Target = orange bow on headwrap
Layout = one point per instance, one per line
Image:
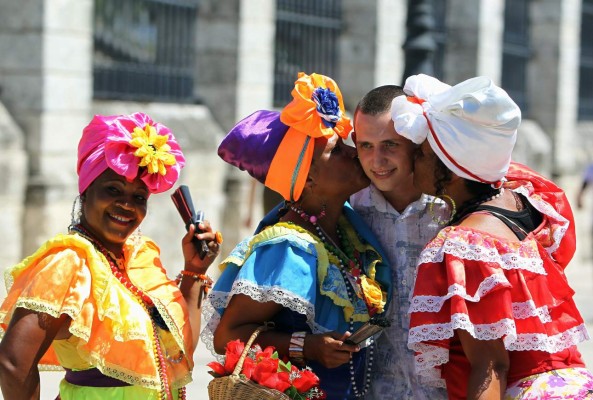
(317, 110)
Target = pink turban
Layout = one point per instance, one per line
(472, 126)
(132, 146)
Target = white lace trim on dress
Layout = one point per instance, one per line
(474, 252)
(429, 356)
(528, 309)
(435, 303)
(504, 328)
(217, 300)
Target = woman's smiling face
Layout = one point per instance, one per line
(112, 208)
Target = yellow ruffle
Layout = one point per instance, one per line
(66, 275)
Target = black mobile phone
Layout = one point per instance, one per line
(183, 202)
(370, 328)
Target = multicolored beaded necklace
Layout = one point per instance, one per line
(350, 268)
(146, 302)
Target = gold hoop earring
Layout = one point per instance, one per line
(436, 218)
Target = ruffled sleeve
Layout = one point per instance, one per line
(557, 234)
(491, 288)
(116, 335)
(286, 264)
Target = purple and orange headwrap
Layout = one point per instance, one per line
(132, 146)
(277, 148)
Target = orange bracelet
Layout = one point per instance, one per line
(204, 279)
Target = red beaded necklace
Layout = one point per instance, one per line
(113, 264)
(146, 302)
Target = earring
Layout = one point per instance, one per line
(436, 218)
(76, 211)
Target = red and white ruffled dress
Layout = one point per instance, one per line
(497, 288)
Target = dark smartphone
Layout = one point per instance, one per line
(370, 328)
(182, 199)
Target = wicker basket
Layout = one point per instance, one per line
(236, 387)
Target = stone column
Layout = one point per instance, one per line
(45, 75)
(13, 179)
(217, 53)
(358, 50)
(474, 45)
(391, 34)
(553, 76)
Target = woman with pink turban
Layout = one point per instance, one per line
(97, 301)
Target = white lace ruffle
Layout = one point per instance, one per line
(504, 328)
(217, 300)
(423, 333)
(435, 303)
(427, 360)
(466, 251)
(551, 344)
(528, 309)
(429, 356)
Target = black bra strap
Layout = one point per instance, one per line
(513, 226)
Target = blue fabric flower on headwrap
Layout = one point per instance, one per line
(328, 106)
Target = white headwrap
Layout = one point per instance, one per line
(472, 126)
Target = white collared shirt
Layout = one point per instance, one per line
(402, 237)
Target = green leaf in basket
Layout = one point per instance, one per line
(294, 394)
(284, 366)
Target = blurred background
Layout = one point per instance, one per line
(199, 66)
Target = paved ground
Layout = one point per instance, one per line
(580, 275)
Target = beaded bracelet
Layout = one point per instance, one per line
(295, 349)
(203, 279)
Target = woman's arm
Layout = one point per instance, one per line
(243, 315)
(26, 340)
(489, 367)
(192, 289)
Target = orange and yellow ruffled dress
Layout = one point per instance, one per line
(111, 329)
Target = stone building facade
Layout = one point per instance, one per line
(46, 98)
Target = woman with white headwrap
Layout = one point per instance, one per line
(492, 314)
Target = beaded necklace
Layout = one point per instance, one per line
(350, 267)
(145, 301)
(469, 207)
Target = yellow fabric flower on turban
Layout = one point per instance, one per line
(153, 150)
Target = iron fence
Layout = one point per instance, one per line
(144, 50)
(307, 34)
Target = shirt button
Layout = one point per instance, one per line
(404, 281)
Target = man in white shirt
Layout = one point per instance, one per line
(399, 216)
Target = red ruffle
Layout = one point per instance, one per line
(495, 288)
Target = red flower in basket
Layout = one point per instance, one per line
(306, 381)
(265, 368)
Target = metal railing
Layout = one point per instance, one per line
(307, 33)
(144, 50)
(516, 51)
